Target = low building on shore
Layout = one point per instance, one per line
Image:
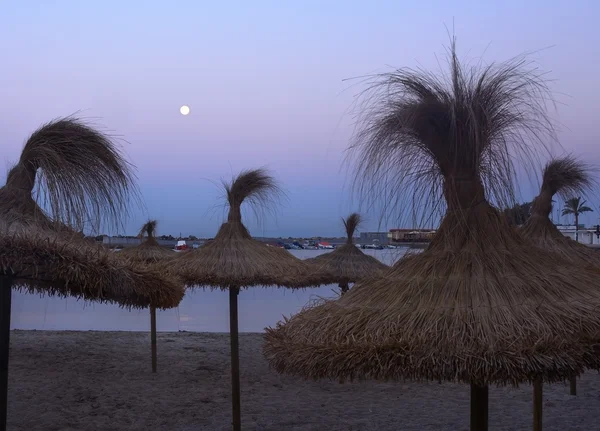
(584, 235)
(411, 235)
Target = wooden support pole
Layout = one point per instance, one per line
(5, 303)
(479, 408)
(235, 359)
(153, 336)
(537, 404)
(344, 287)
(573, 385)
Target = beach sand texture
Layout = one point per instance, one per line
(102, 381)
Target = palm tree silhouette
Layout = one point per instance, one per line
(576, 206)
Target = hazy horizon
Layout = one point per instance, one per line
(265, 84)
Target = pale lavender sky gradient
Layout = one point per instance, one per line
(264, 83)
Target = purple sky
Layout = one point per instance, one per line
(264, 83)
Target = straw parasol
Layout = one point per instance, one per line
(347, 262)
(149, 251)
(234, 260)
(564, 177)
(84, 178)
(480, 305)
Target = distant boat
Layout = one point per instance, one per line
(325, 245)
(372, 247)
(309, 245)
(180, 246)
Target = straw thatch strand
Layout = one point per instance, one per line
(481, 304)
(46, 262)
(81, 171)
(347, 262)
(564, 177)
(233, 258)
(149, 250)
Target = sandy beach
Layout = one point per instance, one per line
(102, 381)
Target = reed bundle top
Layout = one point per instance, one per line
(565, 177)
(83, 178)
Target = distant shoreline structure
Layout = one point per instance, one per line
(122, 241)
(418, 238)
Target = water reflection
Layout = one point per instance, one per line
(200, 310)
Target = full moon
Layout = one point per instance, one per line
(184, 110)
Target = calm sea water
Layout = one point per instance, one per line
(199, 311)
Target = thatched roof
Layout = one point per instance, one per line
(564, 177)
(46, 262)
(480, 305)
(347, 262)
(149, 250)
(233, 258)
(83, 177)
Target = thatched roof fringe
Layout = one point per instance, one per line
(57, 264)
